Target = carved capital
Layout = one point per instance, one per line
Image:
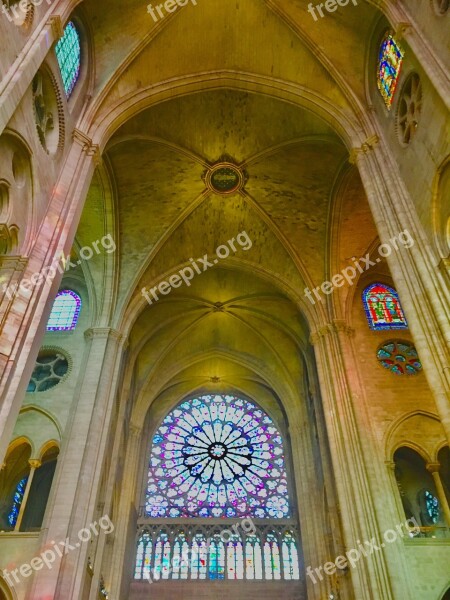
(102, 333)
(55, 22)
(34, 463)
(433, 467)
(401, 30)
(337, 326)
(89, 148)
(135, 431)
(365, 148)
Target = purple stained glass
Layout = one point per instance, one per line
(65, 311)
(217, 456)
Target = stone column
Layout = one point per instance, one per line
(423, 291)
(433, 468)
(315, 546)
(25, 313)
(370, 578)
(131, 470)
(34, 464)
(396, 491)
(73, 502)
(14, 87)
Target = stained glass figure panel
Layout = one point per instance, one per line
(390, 61)
(65, 311)
(383, 308)
(217, 456)
(68, 53)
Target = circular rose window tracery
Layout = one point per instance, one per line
(217, 456)
(400, 358)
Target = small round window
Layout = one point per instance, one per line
(50, 368)
(400, 358)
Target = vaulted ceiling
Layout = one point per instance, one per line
(263, 84)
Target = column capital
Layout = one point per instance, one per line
(55, 22)
(101, 333)
(433, 467)
(87, 145)
(135, 431)
(34, 463)
(402, 28)
(390, 464)
(365, 147)
(337, 326)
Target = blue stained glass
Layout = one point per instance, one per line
(65, 311)
(217, 456)
(68, 53)
(432, 504)
(17, 501)
(389, 65)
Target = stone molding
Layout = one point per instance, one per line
(365, 148)
(337, 326)
(88, 147)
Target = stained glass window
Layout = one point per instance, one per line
(272, 557)
(144, 557)
(383, 308)
(199, 557)
(389, 65)
(432, 505)
(253, 558)
(17, 501)
(400, 358)
(49, 371)
(217, 456)
(290, 557)
(68, 53)
(235, 558)
(212, 552)
(65, 311)
(216, 558)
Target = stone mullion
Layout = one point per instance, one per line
(23, 325)
(413, 273)
(312, 538)
(348, 464)
(75, 492)
(34, 464)
(434, 468)
(127, 497)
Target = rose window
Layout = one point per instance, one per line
(400, 358)
(217, 456)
